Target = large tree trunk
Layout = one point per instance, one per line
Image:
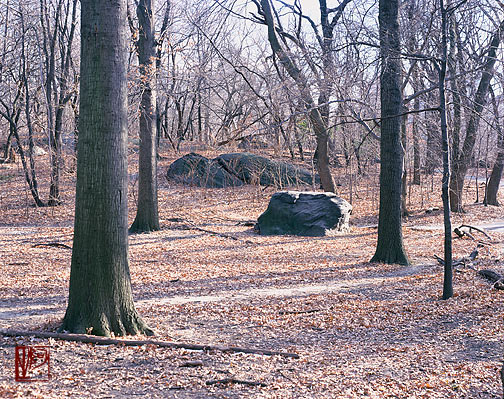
(460, 165)
(147, 218)
(389, 248)
(100, 300)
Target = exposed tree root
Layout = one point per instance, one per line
(114, 341)
(191, 226)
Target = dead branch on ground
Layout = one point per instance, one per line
(284, 312)
(466, 230)
(236, 381)
(493, 277)
(114, 341)
(188, 225)
(466, 261)
(52, 244)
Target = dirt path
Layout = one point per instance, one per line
(29, 312)
(496, 225)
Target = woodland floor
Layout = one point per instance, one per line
(361, 330)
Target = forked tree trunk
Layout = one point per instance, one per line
(100, 300)
(147, 217)
(460, 165)
(389, 248)
(314, 113)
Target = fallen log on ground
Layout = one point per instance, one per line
(466, 261)
(236, 381)
(191, 226)
(164, 344)
(493, 277)
(52, 244)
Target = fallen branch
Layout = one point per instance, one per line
(114, 341)
(284, 312)
(493, 277)
(191, 226)
(465, 261)
(235, 381)
(462, 231)
(52, 244)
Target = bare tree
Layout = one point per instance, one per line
(318, 113)
(58, 32)
(462, 160)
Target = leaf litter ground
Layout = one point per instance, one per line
(361, 330)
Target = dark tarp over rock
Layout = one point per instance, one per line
(236, 169)
(196, 170)
(304, 214)
(255, 169)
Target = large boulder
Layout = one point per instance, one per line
(236, 169)
(196, 170)
(255, 169)
(304, 214)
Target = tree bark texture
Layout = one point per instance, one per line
(460, 165)
(147, 217)
(389, 248)
(100, 300)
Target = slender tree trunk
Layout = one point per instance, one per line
(389, 248)
(448, 272)
(100, 300)
(63, 97)
(30, 173)
(404, 179)
(8, 152)
(416, 145)
(147, 217)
